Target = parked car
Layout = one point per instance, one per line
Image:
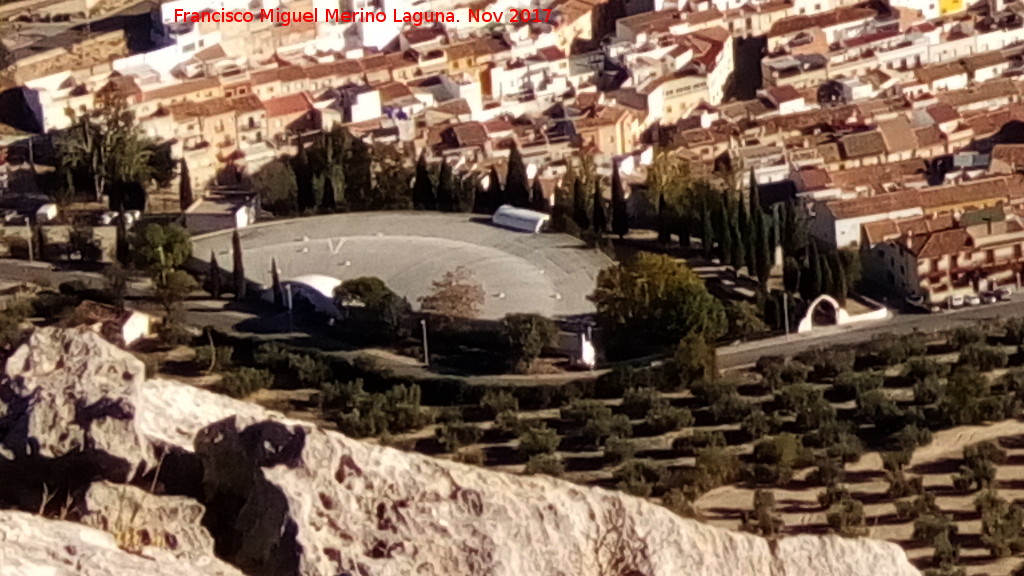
(989, 298)
(972, 300)
(955, 301)
(1003, 294)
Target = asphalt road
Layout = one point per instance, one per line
(748, 353)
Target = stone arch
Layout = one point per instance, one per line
(807, 322)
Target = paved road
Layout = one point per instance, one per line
(748, 353)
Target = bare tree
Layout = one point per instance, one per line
(455, 295)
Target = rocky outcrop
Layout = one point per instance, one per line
(172, 523)
(286, 497)
(30, 544)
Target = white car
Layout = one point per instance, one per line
(955, 301)
(973, 300)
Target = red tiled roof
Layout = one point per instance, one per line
(287, 105)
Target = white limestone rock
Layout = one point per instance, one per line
(32, 545)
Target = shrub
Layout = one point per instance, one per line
(891, 350)
(927, 390)
(618, 450)
(909, 438)
(920, 368)
(363, 415)
(833, 494)
(960, 400)
(508, 423)
(875, 407)
(979, 465)
(695, 359)
(715, 466)
(454, 435)
(698, 439)
(1002, 530)
(595, 422)
(730, 408)
(837, 440)
(548, 464)
(677, 501)
(526, 336)
(243, 381)
(849, 384)
(775, 459)
(638, 477)
(988, 500)
(829, 471)
(983, 357)
(929, 526)
(211, 358)
(709, 391)
(495, 402)
(808, 405)
(662, 418)
(636, 402)
(758, 424)
(964, 336)
(923, 504)
(538, 440)
(764, 520)
(770, 369)
(846, 517)
(1014, 331)
(828, 362)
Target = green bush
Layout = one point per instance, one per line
(538, 440)
(362, 414)
(715, 466)
(764, 520)
(758, 424)
(961, 400)
(808, 405)
(663, 417)
(509, 423)
(618, 450)
(495, 402)
(962, 337)
(927, 527)
(983, 357)
(833, 494)
(1002, 530)
(637, 402)
(547, 464)
(594, 422)
(454, 435)
(828, 362)
(923, 504)
(877, 408)
(698, 439)
(927, 390)
(846, 517)
(775, 459)
(730, 408)
(890, 350)
(213, 358)
(638, 477)
(243, 381)
(849, 384)
(920, 368)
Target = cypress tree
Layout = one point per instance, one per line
(579, 205)
(828, 285)
(814, 266)
(664, 222)
(275, 282)
(791, 275)
(239, 268)
(724, 232)
(423, 189)
(600, 219)
(495, 196)
(841, 282)
(329, 202)
(305, 197)
(745, 236)
(763, 260)
(446, 198)
(214, 276)
(739, 251)
(358, 174)
(537, 200)
(620, 214)
(185, 197)
(707, 233)
(517, 183)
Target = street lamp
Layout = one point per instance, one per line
(426, 349)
